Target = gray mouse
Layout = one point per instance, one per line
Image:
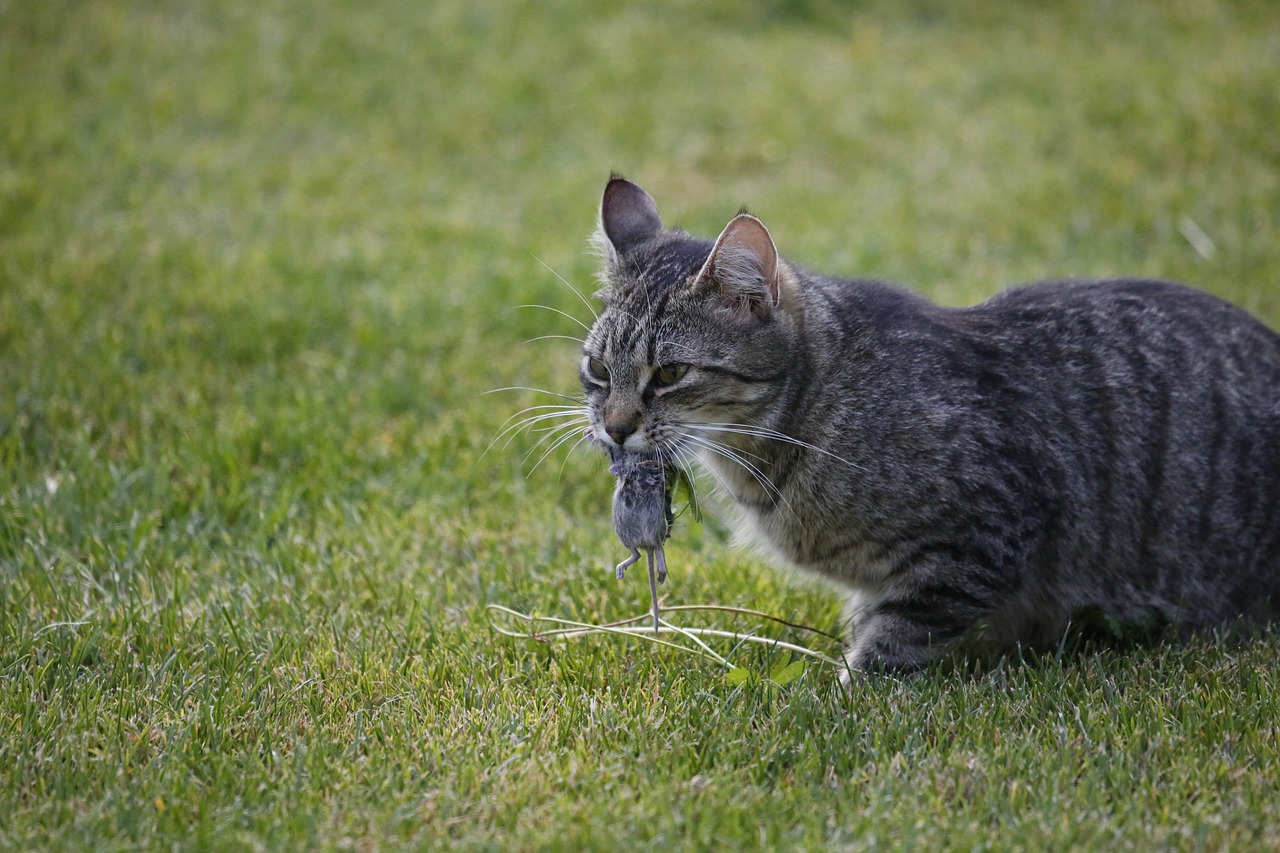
(641, 509)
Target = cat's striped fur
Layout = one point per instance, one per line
(973, 476)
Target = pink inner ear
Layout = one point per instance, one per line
(756, 236)
(745, 259)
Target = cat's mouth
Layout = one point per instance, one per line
(643, 441)
(633, 442)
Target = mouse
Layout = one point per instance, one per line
(641, 509)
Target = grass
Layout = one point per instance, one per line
(260, 261)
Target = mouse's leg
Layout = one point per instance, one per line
(653, 589)
(662, 565)
(628, 563)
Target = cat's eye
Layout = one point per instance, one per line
(669, 374)
(598, 369)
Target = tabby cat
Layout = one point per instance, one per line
(972, 477)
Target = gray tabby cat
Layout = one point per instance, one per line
(973, 476)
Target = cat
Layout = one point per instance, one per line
(972, 477)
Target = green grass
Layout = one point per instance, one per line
(260, 261)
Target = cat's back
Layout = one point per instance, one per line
(1125, 313)
(1136, 335)
(1158, 406)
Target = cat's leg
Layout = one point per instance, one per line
(890, 645)
(905, 628)
(628, 563)
(886, 643)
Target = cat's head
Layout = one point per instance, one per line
(695, 336)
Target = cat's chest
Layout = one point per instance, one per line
(796, 517)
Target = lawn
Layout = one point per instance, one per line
(260, 263)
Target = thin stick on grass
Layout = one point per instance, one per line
(746, 611)
(577, 629)
(725, 608)
(580, 629)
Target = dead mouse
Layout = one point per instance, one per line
(642, 514)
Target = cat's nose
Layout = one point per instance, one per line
(619, 431)
(621, 419)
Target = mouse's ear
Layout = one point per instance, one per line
(628, 214)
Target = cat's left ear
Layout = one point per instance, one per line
(628, 217)
(743, 266)
(628, 214)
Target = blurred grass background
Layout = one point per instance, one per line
(260, 261)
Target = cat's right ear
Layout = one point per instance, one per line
(628, 215)
(743, 267)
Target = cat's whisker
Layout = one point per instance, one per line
(773, 492)
(745, 453)
(555, 338)
(568, 434)
(584, 326)
(715, 475)
(560, 474)
(526, 418)
(673, 452)
(740, 451)
(510, 430)
(542, 430)
(669, 456)
(544, 407)
(683, 459)
(577, 400)
(532, 424)
(566, 283)
(766, 433)
(549, 433)
(546, 444)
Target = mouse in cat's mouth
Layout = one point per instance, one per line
(642, 513)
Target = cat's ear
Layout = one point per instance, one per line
(628, 215)
(743, 266)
